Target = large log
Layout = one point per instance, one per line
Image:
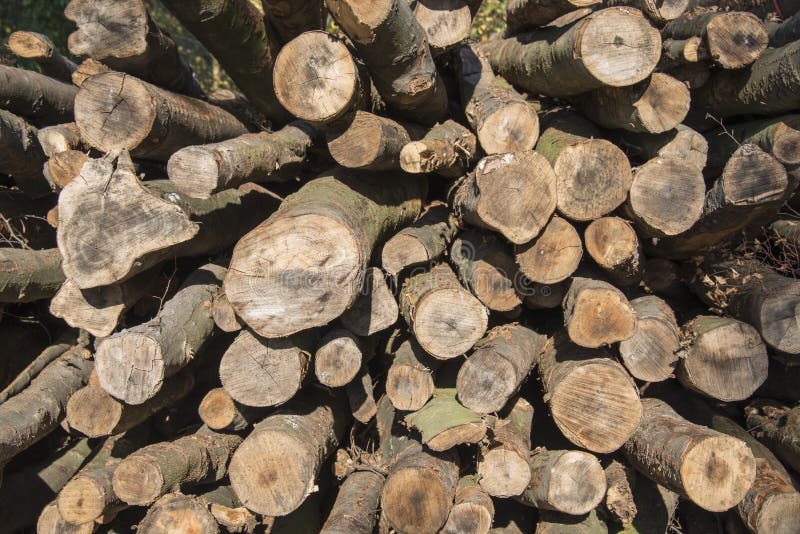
(375, 308)
(523, 15)
(597, 313)
(41, 99)
(650, 354)
(614, 246)
(615, 47)
(552, 256)
(333, 224)
(503, 463)
(448, 149)
(40, 49)
(422, 242)
(409, 379)
(472, 511)
(571, 482)
(287, 20)
(356, 507)
(21, 155)
(28, 275)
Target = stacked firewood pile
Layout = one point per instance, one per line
(403, 282)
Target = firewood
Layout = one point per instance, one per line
(614, 46)
(733, 39)
(29, 275)
(619, 499)
(318, 80)
(32, 370)
(367, 141)
(501, 118)
(560, 523)
(446, 23)
(597, 313)
(593, 400)
(36, 97)
(522, 15)
(776, 425)
(482, 198)
(356, 507)
(40, 49)
(498, 366)
(614, 246)
(361, 398)
(395, 49)
(409, 380)
(375, 308)
(680, 53)
(424, 241)
(21, 155)
(51, 522)
(444, 317)
(224, 314)
(180, 514)
(659, 12)
(553, 256)
(448, 149)
(287, 20)
(60, 169)
(571, 482)
(88, 67)
(133, 364)
(228, 511)
(274, 469)
(338, 358)
(220, 412)
(485, 265)
(153, 122)
(682, 143)
(36, 411)
(444, 423)
(650, 354)
(472, 511)
(785, 32)
(252, 361)
(711, 469)
(503, 463)
(343, 216)
(655, 105)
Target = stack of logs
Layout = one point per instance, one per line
(402, 281)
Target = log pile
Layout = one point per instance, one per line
(404, 281)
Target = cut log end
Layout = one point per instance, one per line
(179, 514)
(510, 128)
(51, 522)
(553, 256)
(195, 171)
(650, 354)
(82, 500)
(92, 412)
(614, 246)
(217, 409)
(401, 251)
(663, 105)
(717, 472)
(337, 359)
(131, 367)
(414, 500)
(599, 316)
(138, 480)
(504, 472)
(736, 39)
(29, 45)
(577, 483)
(780, 514)
(448, 322)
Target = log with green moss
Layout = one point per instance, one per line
(445, 423)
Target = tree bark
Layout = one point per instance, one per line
(681, 53)
(597, 313)
(444, 423)
(502, 119)
(784, 32)
(367, 141)
(36, 97)
(659, 11)
(228, 511)
(28, 275)
(571, 482)
(778, 427)
(424, 241)
(619, 499)
(356, 508)
(472, 511)
(220, 412)
(525, 15)
(334, 223)
(24, 378)
(409, 380)
(650, 354)
(287, 20)
(448, 149)
(361, 397)
(614, 246)
(21, 155)
(513, 194)
(503, 464)
(578, 58)
(552, 256)
(40, 49)
(559, 523)
(682, 143)
(375, 308)
(762, 8)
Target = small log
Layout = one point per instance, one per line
(446, 23)
(560, 523)
(41, 99)
(356, 508)
(553, 256)
(650, 354)
(778, 427)
(571, 482)
(368, 141)
(444, 317)
(35, 412)
(485, 266)
(614, 246)
(28, 275)
(503, 464)
(682, 53)
(338, 358)
(417, 474)
(361, 398)
(51, 522)
(287, 20)
(375, 308)
(220, 412)
(619, 499)
(472, 511)
(21, 155)
(482, 198)
(593, 400)
(409, 380)
(426, 240)
(523, 15)
(733, 40)
(252, 361)
(274, 469)
(395, 49)
(576, 58)
(502, 119)
(40, 49)
(200, 171)
(597, 313)
(660, 11)
(497, 367)
(178, 514)
(228, 511)
(655, 105)
(64, 167)
(88, 67)
(593, 176)
(318, 80)
(711, 469)
(448, 149)
(444, 423)
(343, 215)
(722, 358)
(224, 314)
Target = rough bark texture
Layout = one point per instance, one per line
(472, 511)
(682, 143)
(28, 275)
(36, 97)
(572, 482)
(356, 508)
(522, 15)
(503, 464)
(597, 313)
(409, 380)
(784, 32)
(552, 256)
(24, 378)
(448, 149)
(650, 354)
(21, 155)
(614, 246)
(422, 242)
(444, 423)
(333, 223)
(287, 20)
(375, 308)
(777, 426)
(360, 395)
(619, 499)
(40, 49)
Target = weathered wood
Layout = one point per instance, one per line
(64, 167)
(28, 275)
(409, 380)
(424, 241)
(682, 143)
(228, 511)
(619, 499)
(571, 482)
(614, 246)
(333, 224)
(552, 256)
(220, 412)
(88, 67)
(659, 11)
(51, 522)
(650, 354)
(778, 427)
(224, 314)
(444, 423)
(40, 49)
(367, 141)
(375, 308)
(21, 155)
(24, 378)
(338, 358)
(682, 53)
(356, 508)
(448, 149)
(180, 514)
(287, 20)
(779, 136)
(522, 15)
(360, 395)
(772, 504)
(472, 511)
(41, 99)
(503, 463)
(596, 313)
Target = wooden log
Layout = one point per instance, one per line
(734, 39)
(178, 513)
(220, 412)
(571, 482)
(660, 11)
(619, 499)
(40, 49)
(333, 223)
(395, 49)
(375, 308)
(485, 265)
(778, 136)
(444, 423)
(35, 412)
(615, 47)
(367, 141)
(596, 313)
(274, 469)
(680, 53)
(448, 149)
(503, 464)
(24, 378)
(36, 97)
(593, 400)
(123, 36)
(51, 522)
(21, 155)
(552, 256)
(422, 473)
(497, 367)
(424, 241)
(116, 111)
(133, 364)
(159, 223)
(761, 8)
(776, 425)
(772, 504)
(501, 118)
(722, 358)
(560, 523)
(711, 469)
(445, 318)
(228, 511)
(655, 105)
(682, 144)
(472, 511)
(409, 380)
(338, 358)
(287, 20)
(224, 314)
(28, 275)
(482, 197)
(252, 361)
(614, 246)
(523, 15)
(200, 171)
(783, 32)
(361, 397)
(64, 167)
(650, 354)
(88, 67)
(318, 80)
(356, 507)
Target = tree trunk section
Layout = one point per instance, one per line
(445, 423)
(28, 275)
(446, 23)
(552, 256)
(338, 358)
(40, 49)
(784, 32)
(367, 141)
(503, 464)
(224, 314)
(409, 380)
(36, 97)
(650, 354)
(375, 308)
(424, 241)
(21, 155)
(64, 167)
(361, 398)
(597, 313)
(472, 511)
(220, 412)
(356, 508)
(614, 246)
(571, 482)
(448, 149)
(179, 514)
